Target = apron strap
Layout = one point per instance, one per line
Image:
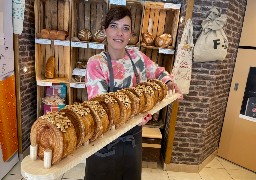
(111, 74)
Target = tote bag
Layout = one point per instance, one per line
(183, 62)
(212, 43)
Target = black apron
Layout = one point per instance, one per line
(121, 159)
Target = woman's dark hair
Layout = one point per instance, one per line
(115, 13)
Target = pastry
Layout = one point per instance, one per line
(124, 105)
(84, 35)
(163, 40)
(50, 68)
(56, 132)
(111, 106)
(135, 101)
(149, 96)
(164, 87)
(83, 121)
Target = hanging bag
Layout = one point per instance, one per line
(212, 43)
(183, 62)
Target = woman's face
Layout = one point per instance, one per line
(118, 33)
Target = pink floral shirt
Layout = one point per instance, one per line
(97, 72)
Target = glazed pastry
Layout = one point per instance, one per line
(56, 132)
(84, 35)
(163, 40)
(50, 68)
(99, 36)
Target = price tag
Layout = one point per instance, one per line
(79, 44)
(118, 2)
(96, 46)
(42, 83)
(42, 41)
(79, 72)
(172, 6)
(61, 43)
(166, 51)
(77, 85)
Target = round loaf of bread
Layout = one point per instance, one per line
(163, 40)
(85, 35)
(140, 94)
(99, 36)
(147, 38)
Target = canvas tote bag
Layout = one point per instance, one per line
(183, 62)
(212, 43)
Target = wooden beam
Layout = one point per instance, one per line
(189, 10)
(171, 132)
(17, 86)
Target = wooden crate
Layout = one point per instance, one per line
(86, 15)
(78, 95)
(165, 20)
(52, 15)
(41, 93)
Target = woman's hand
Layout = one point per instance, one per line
(145, 119)
(173, 86)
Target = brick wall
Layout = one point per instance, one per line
(201, 114)
(27, 79)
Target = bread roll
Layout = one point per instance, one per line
(50, 68)
(61, 35)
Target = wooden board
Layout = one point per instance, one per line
(34, 169)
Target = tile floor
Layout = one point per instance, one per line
(217, 169)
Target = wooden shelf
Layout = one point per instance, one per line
(35, 169)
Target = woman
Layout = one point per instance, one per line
(110, 71)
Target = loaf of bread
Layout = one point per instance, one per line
(134, 39)
(50, 68)
(85, 35)
(45, 34)
(61, 35)
(163, 40)
(99, 36)
(147, 38)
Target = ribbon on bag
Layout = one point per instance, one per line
(183, 62)
(212, 43)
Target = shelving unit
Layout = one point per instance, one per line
(74, 15)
